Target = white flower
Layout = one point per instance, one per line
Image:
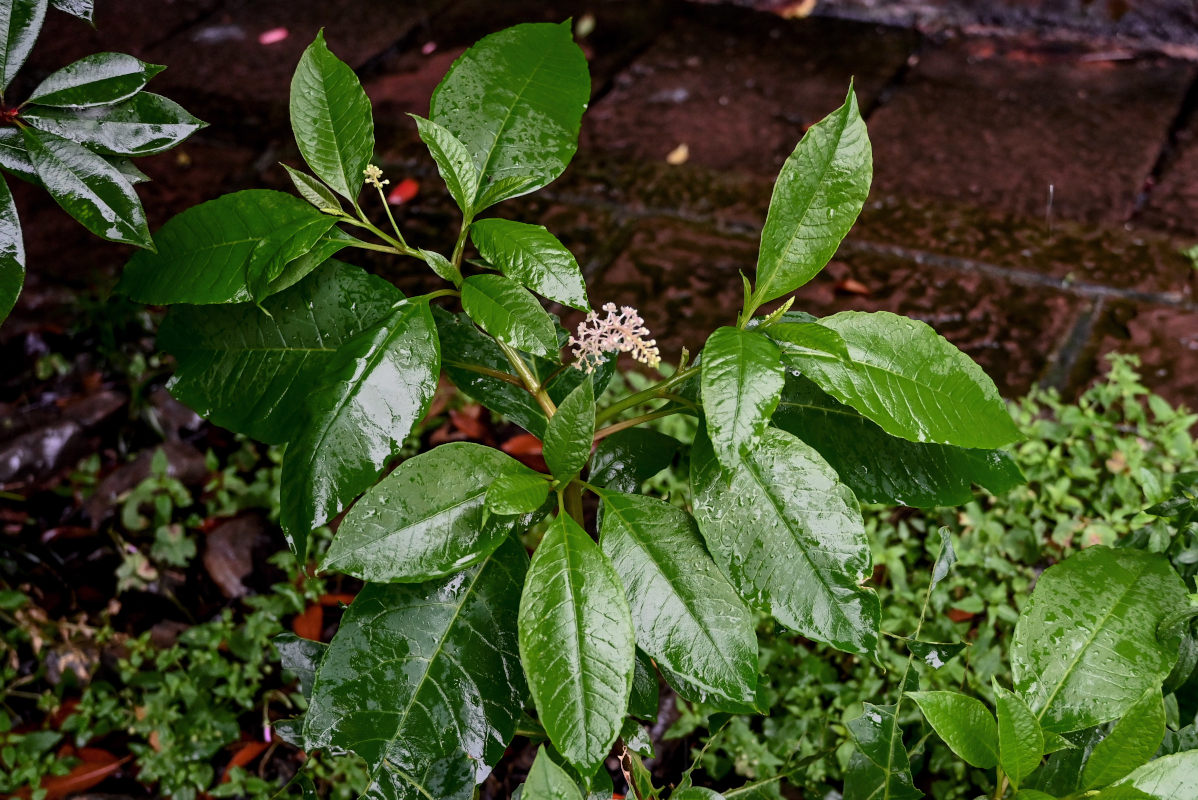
(621, 331)
(373, 174)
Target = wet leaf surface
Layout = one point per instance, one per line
(964, 723)
(533, 256)
(12, 253)
(507, 311)
(570, 432)
(741, 382)
(20, 22)
(95, 80)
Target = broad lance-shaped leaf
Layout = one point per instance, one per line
(577, 644)
(507, 311)
(570, 432)
(427, 519)
(96, 80)
(331, 119)
(12, 253)
(1132, 742)
(789, 536)
(820, 191)
(626, 459)
(453, 163)
(419, 674)
(1020, 740)
(887, 773)
(142, 125)
(910, 381)
(964, 723)
(373, 390)
(533, 256)
(1172, 777)
(1091, 617)
(881, 468)
(517, 492)
(320, 196)
(20, 22)
(548, 781)
(88, 188)
(215, 252)
(250, 369)
(515, 100)
(741, 379)
(687, 616)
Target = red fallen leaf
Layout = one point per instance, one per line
(404, 191)
(467, 420)
(95, 765)
(335, 599)
(852, 286)
(67, 532)
(246, 753)
(526, 448)
(310, 624)
(958, 615)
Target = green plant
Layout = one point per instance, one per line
(76, 135)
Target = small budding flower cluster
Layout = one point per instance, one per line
(621, 331)
(373, 174)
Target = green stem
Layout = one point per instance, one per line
(632, 423)
(654, 392)
(573, 501)
(391, 219)
(1001, 780)
(459, 246)
(530, 381)
(490, 373)
(380, 248)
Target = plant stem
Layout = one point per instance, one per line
(490, 373)
(654, 392)
(459, 246)
(573, 501)
(391, 219)
(1002, 780)
(530, 381)
(632, 423)
(380, 248)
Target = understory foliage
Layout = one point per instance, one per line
(458, 638)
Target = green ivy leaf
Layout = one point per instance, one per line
(742, 379)
(143, 125)
(533, 256)
(1020, 740)
(507, 311)
(911, 382)
(96, 80)
(20, 23)
(374, 389)
(964, 723)
(790, 537)
(427, 519)
(88, 188)
(1171, 777)
(83, 9)
(249, 369)
(1131, 743)
(395, 688)
(687, 616)
(570, 432)
(547, 781)
(880, 741)
(819, 193)
(331, 119)
(453, 163)
(518, 490)
(12, 253)
(577, 644)
(515, 100)
(1092, 616)
(218, 251)
(626, 459)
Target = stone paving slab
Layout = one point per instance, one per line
(1165, 339)
(1173, 203)
(739, 88)
(995, 123)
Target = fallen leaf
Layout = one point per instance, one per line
(246, 753)
(959, 615)
(852, 286)
(94, 766)
(404, 192)
(679, 155)
(526, 448)
(310, 624)
(468, 420)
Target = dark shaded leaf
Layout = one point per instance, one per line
(12, 253)
(20, 23)
(140, 126)
(626, 459)
(880, 741)
(96, 80)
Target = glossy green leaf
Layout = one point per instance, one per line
(790, 537)
(1132, 742)
(1173, 777)
(507, 311)
(626, 459)
(688, 618)
(12, 253)
(1032, 794)
(331, 119)
(911, 382)
(374, 389)
(216, 251)
(320, 196)
(881, 468)
(696, 793)
(964, 723)
(95, 80)
(20, 23)
(84, 9)
(547, 781)
(571, 430)
(742, 379)
(636, 737)
(515, 100)
(1123, 792)
(935, 654)
(441, 265)
(14, 158)
(421, 674)
(277, 259)
(819, 193)
(250, 369)
(126, 167)
(1055, 742)
(1020, 740)
(809, 340)
(453, 162)
(425, 520)
(88, 188)
(533, 256)
(140, 126)
(945, 559)
(301, 657)
(643, 702)
(880, 741)
(1092, 616)
(516, 491)
(448, 778)
(577, 644)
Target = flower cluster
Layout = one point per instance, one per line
(373, 173)
(621, 331)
